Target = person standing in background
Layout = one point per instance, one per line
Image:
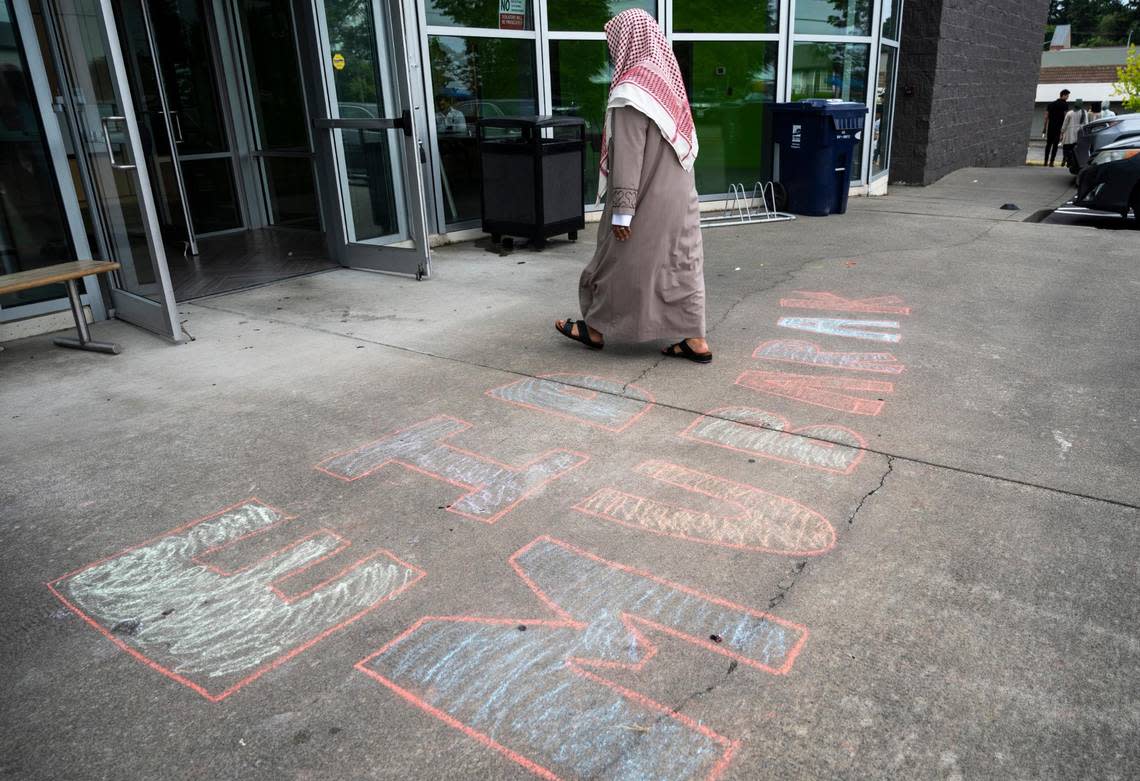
(1075, 119)
(1106, 110)
(1054, 119)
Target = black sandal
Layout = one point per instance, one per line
(687, 353)
(582, 336)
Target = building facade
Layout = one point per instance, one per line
(200, 141)
(967, 82)
(1088, 74)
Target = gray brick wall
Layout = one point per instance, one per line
(968, 74)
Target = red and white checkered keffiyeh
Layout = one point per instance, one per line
(647, 77)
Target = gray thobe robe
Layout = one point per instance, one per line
(651, 286)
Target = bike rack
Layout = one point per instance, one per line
(744, 208)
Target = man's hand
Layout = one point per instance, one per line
(622, 233)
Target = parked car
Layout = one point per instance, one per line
(1111, 181)
(1096, 135)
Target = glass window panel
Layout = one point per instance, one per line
(274, 74)
(68, 142)
(884, 112)
(357, 84)
(211, 193)
(580, 78)
(832, 71)
(729, 84)
(486, 14)
(184, 52)
(473, 79)
(726, 16)
(368, 154)
(292, 192)
(591, 15)
(892, 18)
(33, 232)
(371, 187)
(833, 17)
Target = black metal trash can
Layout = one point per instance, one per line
(533, 187)
(814, 148)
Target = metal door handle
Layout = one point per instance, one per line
(403, 122)
(104, 121)
(178, 139)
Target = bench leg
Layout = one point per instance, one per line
(84, 341)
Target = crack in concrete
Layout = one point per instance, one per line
(676, 709)
(787, 584)
(873, 491)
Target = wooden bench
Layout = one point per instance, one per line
(66, 273)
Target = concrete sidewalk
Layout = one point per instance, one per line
(921, 565)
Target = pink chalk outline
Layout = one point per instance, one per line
(887, 363)
(785, 431)
(814, 389)
(583, 393)
(470, 489)
(578, 665)
(742, 515)
(883, 305)
(277, 661)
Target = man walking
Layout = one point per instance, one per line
(1054, 118)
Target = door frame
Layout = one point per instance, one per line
(157, 315)
(407, 252)
(168, 119)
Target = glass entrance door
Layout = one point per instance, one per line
(109, 147)
(368, 144)
(161, 126)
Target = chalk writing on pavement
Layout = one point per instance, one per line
(834, 326)
(215, 630)
(810, 354)
(756, 520)
(491, 488)
(596, 401)
(826, 447)
(820, 390)
(881, 305)
(539, 691)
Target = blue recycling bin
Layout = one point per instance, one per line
(813, 150)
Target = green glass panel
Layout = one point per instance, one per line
(729, 84)
(884, 112)
(591, 15)
(475, 78)
(486, 14)
(833, 17)
(580, 82)
(726, 16)
(832, 71)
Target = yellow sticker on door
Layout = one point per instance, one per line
(338, 61)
